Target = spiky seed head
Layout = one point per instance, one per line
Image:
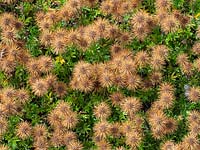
(7, 21)
(106, 7)
(51, 80)
(133, 139)
(102, 145)
(116, 48)
(22, 96)
(131, 105)
(39, 131)
(194, 94)
(54, 118)
(44, 25)
(3, 125)
(63, 108)
(126, 127)
(106, 79)
(115, 130)
(191, 142)
(69, 137)
(194, 117)
(58, 45)
(70, 121)
(8, 93)
(166, 99)
(102, 111)
(196, 48)
(163, 5)
(39, 16)
(116, 98)
(56, 139)
(170, 125)
(161, 15)
(133, 81)
(168, 145)
(46, 38)
(102, 129)
(24, 130)
(40, 143)
(156, 77)
(140, 18)
(4, 147)
(60, 89)
(33, 67)
(40, 87)
(75, 145)
(10, 107)
(170, 24)
(141, 58)
(166, 88)
(160, 50)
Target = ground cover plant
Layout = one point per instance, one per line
(99, 74)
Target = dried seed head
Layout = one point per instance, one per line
(194, 117)
(24, 130)
(102, 145)
(191, 142)
(40, 143)
(56, 139)
(75, 145)
(141, 58)
(131, 105)
(63, 108)
(33, 67)
(3, 125)
(133, 139)
(40, 87)
(7, 21)
(160, 50)
(117, 98)
(39, 131)
(133, 81)
(46, 64)
(4, 147)
(194, 94)
(102, 129)
(115, 130)
(156, 78)
(69, 137)
(166, 99)
(54, 118)
(170, 24)
(166, 88)
(102, 111)
(70, 121)
(168, 145)
(163, 5)
(10, 107)
(60, 89)
(196, 48)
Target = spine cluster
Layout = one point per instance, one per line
(11, 103)
(189, 141)
(183, 60)
(122, 71)
(161, 124)
(131, 129)
(62, 120)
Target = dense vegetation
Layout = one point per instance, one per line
(100, 74)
